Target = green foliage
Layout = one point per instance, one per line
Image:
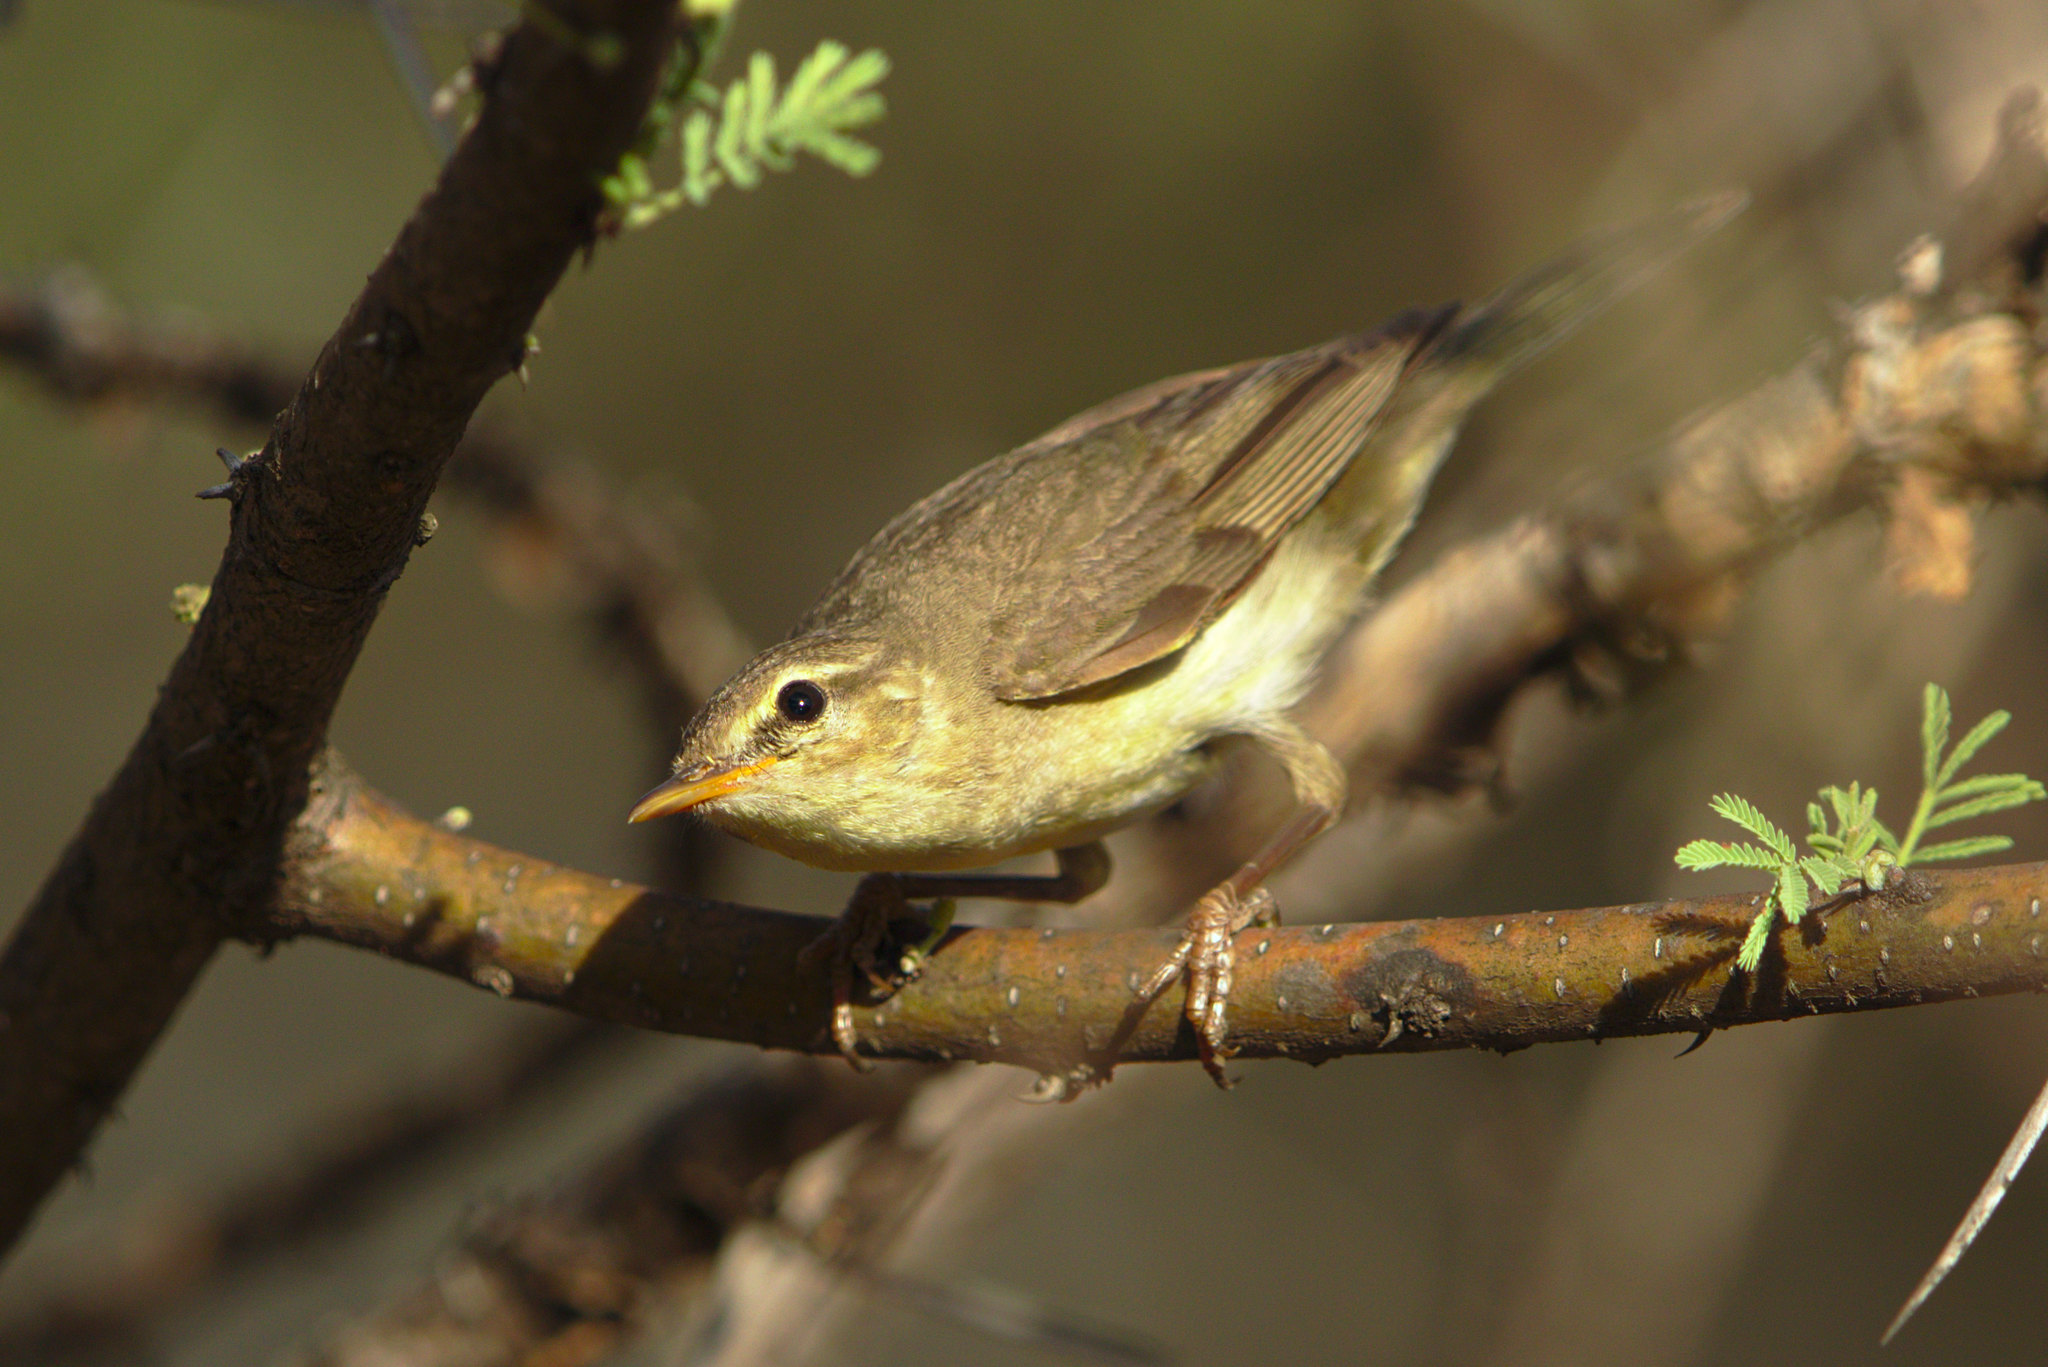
(1850, 845)
(732, 137)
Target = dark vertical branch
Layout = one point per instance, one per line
(185, 845)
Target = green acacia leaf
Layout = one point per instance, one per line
(735, 135)
(1973, 741)
(730, 145)
(1982, 783)
(1752, 952)
(760, 99)
(1793, 897)
(1742, 813)
(1963, 849)
(700, 177)
(850, 155)
(1985, 805)
(1826, 874)
(1711, 854)
(811, 72)
(843, 87)
(1934, 720)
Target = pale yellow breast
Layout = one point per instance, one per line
(1108, 759)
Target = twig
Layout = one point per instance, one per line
(1995, 1186)
(415, 73)
(66, 333)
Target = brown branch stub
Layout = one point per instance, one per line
(1060, 1000)
(185, 843)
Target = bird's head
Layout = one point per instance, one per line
(802, 750)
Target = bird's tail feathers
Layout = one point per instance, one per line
(1541, 308)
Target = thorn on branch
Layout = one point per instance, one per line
(238, 474)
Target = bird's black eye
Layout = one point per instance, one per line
(800, 700)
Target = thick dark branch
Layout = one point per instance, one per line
(373, 876)
(185, 844)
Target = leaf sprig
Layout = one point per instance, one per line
(1849, 844)
(753, 126)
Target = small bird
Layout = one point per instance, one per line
(1057, 643)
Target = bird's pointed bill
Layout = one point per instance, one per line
(692, 788)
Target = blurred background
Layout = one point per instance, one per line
(1075, 199)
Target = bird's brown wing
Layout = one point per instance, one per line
(1197, 479)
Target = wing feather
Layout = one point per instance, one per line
(1228, 462)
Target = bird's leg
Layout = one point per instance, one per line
(850, 943)
(1083, 869)
(879, 898)
(1206, 954)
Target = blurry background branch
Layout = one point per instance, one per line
(558, 527)
(176, 1251)
(1933, 399)
(571, 1276)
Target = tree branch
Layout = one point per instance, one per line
(185, 844)
(373, 876)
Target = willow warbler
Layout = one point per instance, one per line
(1056, 643)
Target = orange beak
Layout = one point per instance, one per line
(691, 788)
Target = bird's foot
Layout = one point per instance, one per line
(1206, 957)
(852, 945)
